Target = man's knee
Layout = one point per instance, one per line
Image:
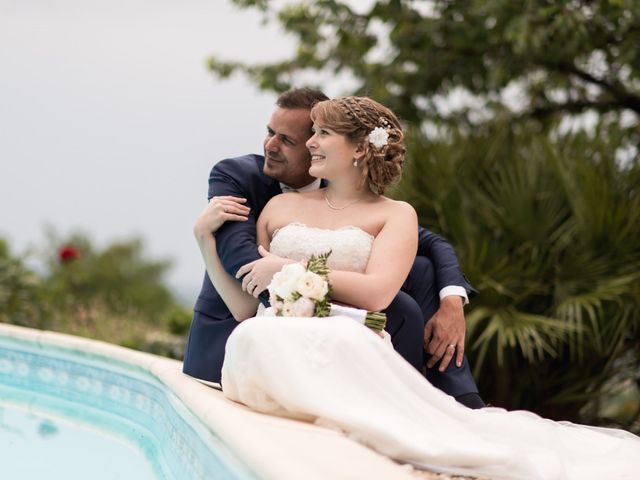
(406, 327)
(404, 314)
(421, 286)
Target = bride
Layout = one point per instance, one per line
(335, 371)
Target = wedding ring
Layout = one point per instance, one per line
(452, 345)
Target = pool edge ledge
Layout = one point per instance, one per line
(273, 447)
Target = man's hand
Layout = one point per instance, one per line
(444, 333)
(260, 272)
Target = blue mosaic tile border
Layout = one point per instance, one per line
(119, 398)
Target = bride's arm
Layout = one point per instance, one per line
(392, 256)
(262, 234)
(240, 304)
(257, 275)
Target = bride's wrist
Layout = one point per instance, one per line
(203, 234)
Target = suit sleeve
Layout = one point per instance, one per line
(236, 241)
(445, 262)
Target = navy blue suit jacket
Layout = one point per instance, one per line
(236, 244)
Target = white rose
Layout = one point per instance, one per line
(379, 137)
(303, 307)
(283, 283)
(312, 285)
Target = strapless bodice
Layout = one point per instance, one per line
(350, 246)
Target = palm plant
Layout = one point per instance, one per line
(546, 227)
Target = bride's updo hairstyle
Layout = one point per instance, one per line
(366, 121)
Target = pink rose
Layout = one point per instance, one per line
(303, 307)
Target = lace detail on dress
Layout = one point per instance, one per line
(350, 246)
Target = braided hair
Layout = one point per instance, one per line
(357, 118)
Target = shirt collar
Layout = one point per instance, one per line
(315, 185)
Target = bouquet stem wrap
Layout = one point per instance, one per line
(373, 320)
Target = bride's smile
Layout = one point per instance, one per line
(331, 153)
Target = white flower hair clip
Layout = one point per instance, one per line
(379, 137)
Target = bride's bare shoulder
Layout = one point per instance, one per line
(283, 197)
(398, 207)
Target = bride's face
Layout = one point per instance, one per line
(331, 153)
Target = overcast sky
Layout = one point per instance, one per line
(110, 121)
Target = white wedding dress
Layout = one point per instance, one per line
(337, 373)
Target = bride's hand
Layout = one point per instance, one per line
(220, 210)
(258, 274)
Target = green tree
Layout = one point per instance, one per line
(523, 126)
(535, 59)
(118, 279)
(20, 292)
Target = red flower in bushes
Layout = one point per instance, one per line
(68, 253)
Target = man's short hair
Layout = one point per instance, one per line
(300, 98)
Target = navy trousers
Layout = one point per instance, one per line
(407, 316)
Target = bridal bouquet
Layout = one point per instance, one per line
(299, 291)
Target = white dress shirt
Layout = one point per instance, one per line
(315, 185)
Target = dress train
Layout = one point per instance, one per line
(339, 374)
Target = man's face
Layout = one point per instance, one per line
(287, 158)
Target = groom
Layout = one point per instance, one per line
(431, 295)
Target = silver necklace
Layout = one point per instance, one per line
(333, 207)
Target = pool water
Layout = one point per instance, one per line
(36, 444)
(72, 414)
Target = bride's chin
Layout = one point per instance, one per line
(315, 171)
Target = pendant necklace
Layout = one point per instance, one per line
(333, 207)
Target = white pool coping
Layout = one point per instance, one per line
(274, 447)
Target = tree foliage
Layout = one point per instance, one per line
(20, 292)
(119, 277)
(535, 59)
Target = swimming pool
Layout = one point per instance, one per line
(71, 412)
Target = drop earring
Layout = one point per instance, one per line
(355, 162)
